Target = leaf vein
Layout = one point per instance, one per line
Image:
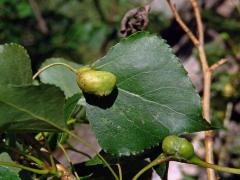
(144, 99)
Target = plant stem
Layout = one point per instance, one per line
(64, 152)
(119, 171)
(160, 159)
(68, 159)
(53, 165)
(38, 162)
(51, 65)
(89, 146)
(70, 147)
(37, 171)
(197, 161)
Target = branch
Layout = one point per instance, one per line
(41, 22)
(209, 154)
(217, 65)
(207, 73)
(200, 35)
(71, 148)
(203, 59)
(207, 89)
(198, 21)
(65, 172)
(182, 24)
(99, 10)
(198, 43)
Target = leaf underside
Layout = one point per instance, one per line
(61, 76)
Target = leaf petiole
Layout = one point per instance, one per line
(119, 171)
(91, 148)
(38, 162)
(51, 65)
(37, 171)
(159, 160)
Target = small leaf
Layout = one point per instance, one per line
(31, 108)
(162, 170)
(8, 174)
(94, 161)
(15, 65)
(155, 97)
(6, 158)
(61, 76)
(70, 105)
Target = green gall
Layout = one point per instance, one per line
(177, 147)
(99, 83)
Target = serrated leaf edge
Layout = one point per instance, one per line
(173, 57)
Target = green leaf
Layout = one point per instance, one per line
(31, 108)
(155, 97)
(162, 170)
(6, 158)
(23, 9)
(8, 174)
(70, 105)
(61, 76)
(15, 65)
(94, 161)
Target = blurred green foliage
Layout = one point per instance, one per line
(228, 28)
(80, 30)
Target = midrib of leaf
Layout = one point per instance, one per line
(160, 88)
(150, 101)
(31, 114)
